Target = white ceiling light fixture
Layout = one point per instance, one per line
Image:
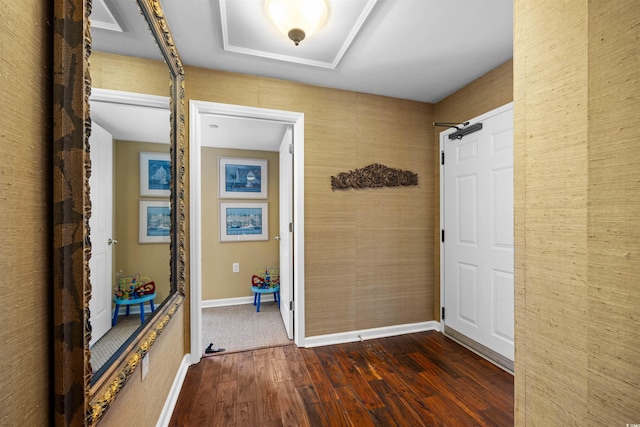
(297, 18)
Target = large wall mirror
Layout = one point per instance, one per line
(110, 226)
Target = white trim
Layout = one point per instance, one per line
(195, 220)
(442, 139)
(298, 232)
(196, 110)
(296, 59)
(129, 98)
(224, 302)
(368, 334)
(174, 393)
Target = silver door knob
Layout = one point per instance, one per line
(112, 242)
(277, 237)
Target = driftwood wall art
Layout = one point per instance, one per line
(374, 175)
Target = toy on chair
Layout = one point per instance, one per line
(133, 290)
(265, 282)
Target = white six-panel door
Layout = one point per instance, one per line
(478, 233)
(101, 224)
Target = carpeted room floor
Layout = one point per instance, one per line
(240, 327)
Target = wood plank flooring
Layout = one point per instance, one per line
(421, 379)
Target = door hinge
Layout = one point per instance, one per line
(442, 235)
(290, 227)
(442, 313)
(442, 158)
(291, 305)
(290, 148)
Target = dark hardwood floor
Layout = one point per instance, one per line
(421, 379)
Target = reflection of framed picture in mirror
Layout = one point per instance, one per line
(155, 174)
(155, 221)
(242, 222)
(242, 178)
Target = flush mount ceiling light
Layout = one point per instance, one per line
(297, 18)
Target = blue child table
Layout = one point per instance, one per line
(257, 292)
(129, 302)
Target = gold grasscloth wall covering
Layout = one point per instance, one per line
(25, 209)
(577, 157)
(368, 253)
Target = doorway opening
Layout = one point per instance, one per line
(291, 293)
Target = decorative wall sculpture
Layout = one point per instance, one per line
(374, 175)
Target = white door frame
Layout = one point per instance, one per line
(443, 139)
(196, 110)
(286, 217)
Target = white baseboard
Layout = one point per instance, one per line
(222, 302)
(368, 334)
(172, 398)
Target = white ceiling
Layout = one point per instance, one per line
(243, 32)
(123, 121)
(420, 50)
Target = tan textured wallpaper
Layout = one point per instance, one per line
(613, 239)
(368, 253)
(577, 202)
(25, 209)
(218, 279)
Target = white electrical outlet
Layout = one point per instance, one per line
(236, 267)
(145, 365)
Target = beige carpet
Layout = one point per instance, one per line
(110, 342)
(240, 327)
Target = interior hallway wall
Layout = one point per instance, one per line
(368, 253)
(218, 279)
(577, 175)
(25, 208)
(132, 257)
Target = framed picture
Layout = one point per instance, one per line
(242, 178)
(155, 221)
(241, 222)
(155, 174)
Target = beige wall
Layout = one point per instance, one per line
(577, 164)
(131, 257)
(368, 253)
(25, 209)
(488, 92)
(218, 279)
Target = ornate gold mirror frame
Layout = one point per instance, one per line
(76, 400)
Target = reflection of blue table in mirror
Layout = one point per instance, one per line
(130, 302)
(257, 292)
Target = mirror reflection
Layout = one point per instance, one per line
(130, 178)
